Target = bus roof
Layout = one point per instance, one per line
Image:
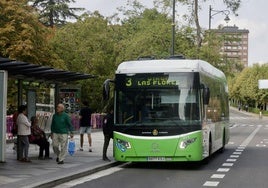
(168, 65)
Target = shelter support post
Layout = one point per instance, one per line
(3, 107)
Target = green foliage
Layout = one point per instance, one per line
(88, 46)
(96, 45)
(244, 87)
(55, 12)
(20, 34)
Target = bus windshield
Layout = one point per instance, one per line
(166, 99)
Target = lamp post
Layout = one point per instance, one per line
(225, 12)
(173, 30)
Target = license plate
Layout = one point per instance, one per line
(156, 159)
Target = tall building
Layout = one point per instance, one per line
(235, 45)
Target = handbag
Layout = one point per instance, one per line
(31, 138)
(71, 147)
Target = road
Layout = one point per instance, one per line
(244, 163)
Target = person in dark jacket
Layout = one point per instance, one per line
(38, 137)
(108, 127)
(85, 125)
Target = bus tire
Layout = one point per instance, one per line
(223, 142)
(206, 160)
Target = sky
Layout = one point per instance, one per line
(252, 16)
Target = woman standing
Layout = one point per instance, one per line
(24, 130)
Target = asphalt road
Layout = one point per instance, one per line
(244, 163)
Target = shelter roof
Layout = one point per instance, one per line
(33, 72)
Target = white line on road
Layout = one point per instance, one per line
(227, 164)
(219, 176)
(223, 169)
(234, 156)
(237, 153)
(91, 177)
(251, 136)
(211, 183)
(231, 160)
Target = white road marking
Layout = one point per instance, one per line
(234, 156)
(251, 136)
(237, 153)
(90, 177)
(219, 176)
(260, 145)
(223, 169)
(227, 164)
(211, 183)
(231, 160)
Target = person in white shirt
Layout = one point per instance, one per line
(24, 130)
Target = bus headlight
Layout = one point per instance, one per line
(122, 145)
(185, 143)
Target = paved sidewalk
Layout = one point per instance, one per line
(47, 173)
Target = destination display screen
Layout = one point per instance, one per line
(155, 80)
(161, 81)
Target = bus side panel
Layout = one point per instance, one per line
(220, 135)
(187, 147)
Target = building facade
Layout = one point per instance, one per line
(235, 43)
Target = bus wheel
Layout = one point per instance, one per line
(206, 160)
(223, 143)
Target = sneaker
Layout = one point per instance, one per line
(60, 162)
(90, 150)
(47, 158)
(81, 149)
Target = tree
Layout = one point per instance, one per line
(55, 12)
(194, 7)
(147, 32)
(88, 46)
(244, 87)
(22, 37)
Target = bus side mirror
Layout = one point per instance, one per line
(106, 89)
(206, 95)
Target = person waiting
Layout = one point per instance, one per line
(38, 137)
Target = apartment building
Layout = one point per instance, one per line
(235, 43)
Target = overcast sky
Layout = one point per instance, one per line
(252, 16)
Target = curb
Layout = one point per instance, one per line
(73, 176)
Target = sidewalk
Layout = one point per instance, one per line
(47, 173)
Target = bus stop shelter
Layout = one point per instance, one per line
(23, 71)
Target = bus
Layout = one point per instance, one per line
(170, 110)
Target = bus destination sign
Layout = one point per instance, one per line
(150, 82)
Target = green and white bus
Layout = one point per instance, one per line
(169, 110)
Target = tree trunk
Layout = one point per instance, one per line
(198, 28)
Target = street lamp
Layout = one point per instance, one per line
(226, 12)
(173, 30)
